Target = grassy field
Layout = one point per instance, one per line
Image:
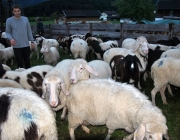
(171, 111)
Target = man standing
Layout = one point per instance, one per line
(39, 26)
(18, 31)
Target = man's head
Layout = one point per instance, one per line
(16, 10)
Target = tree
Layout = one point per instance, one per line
(135, 9)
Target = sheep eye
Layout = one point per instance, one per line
(59, 86)
(150, 136)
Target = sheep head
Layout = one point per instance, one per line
(52, 87)
(80, 70)
(141, 44)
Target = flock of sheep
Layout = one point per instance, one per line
(105, 91)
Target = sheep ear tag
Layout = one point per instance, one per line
(91, 70)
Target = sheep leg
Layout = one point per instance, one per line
(163, 95)
(85, 129)
(129, 137)
(71, 133)
(169, 89)
(153, 94)
(37, 55)
(110, 131)
(139, 85)
(64, 113)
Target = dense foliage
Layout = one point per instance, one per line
(135, 9)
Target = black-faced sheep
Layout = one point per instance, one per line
(174, 41)
(125, 69)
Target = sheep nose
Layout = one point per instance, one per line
(72, 80)
(53, 104)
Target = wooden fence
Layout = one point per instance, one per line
(115, 31)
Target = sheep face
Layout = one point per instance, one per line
(144, 131)
(44, 49)
(80, 71)
(142, 44)
(144, 50)
(52, 87)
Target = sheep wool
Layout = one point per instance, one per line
(164, 71)
(79, 48)
(24, 115)
(116, 105)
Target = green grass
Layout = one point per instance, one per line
(171, 111)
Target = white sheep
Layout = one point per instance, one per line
(51, 43)
(2, 46)
(116, 105)
(30, 78)
(28, 113)
(34, 49)
(55, 83)
(82, 70)
(20, 69)
(102, 68)
(164, 71)
(51, 54)
(6, 67)
(79, 48)
(6, 54)
(9, 83)
(140, 44)
(3, 35)
(171, 53)
(160, 47)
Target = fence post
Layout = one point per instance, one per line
(90, 28)
(171, 30)
(67, 29)
(122, 32)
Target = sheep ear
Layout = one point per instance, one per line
(44, 91)
(166, 136)
(64, 89)
(139, 134)
(137, 44)
(91, 70)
